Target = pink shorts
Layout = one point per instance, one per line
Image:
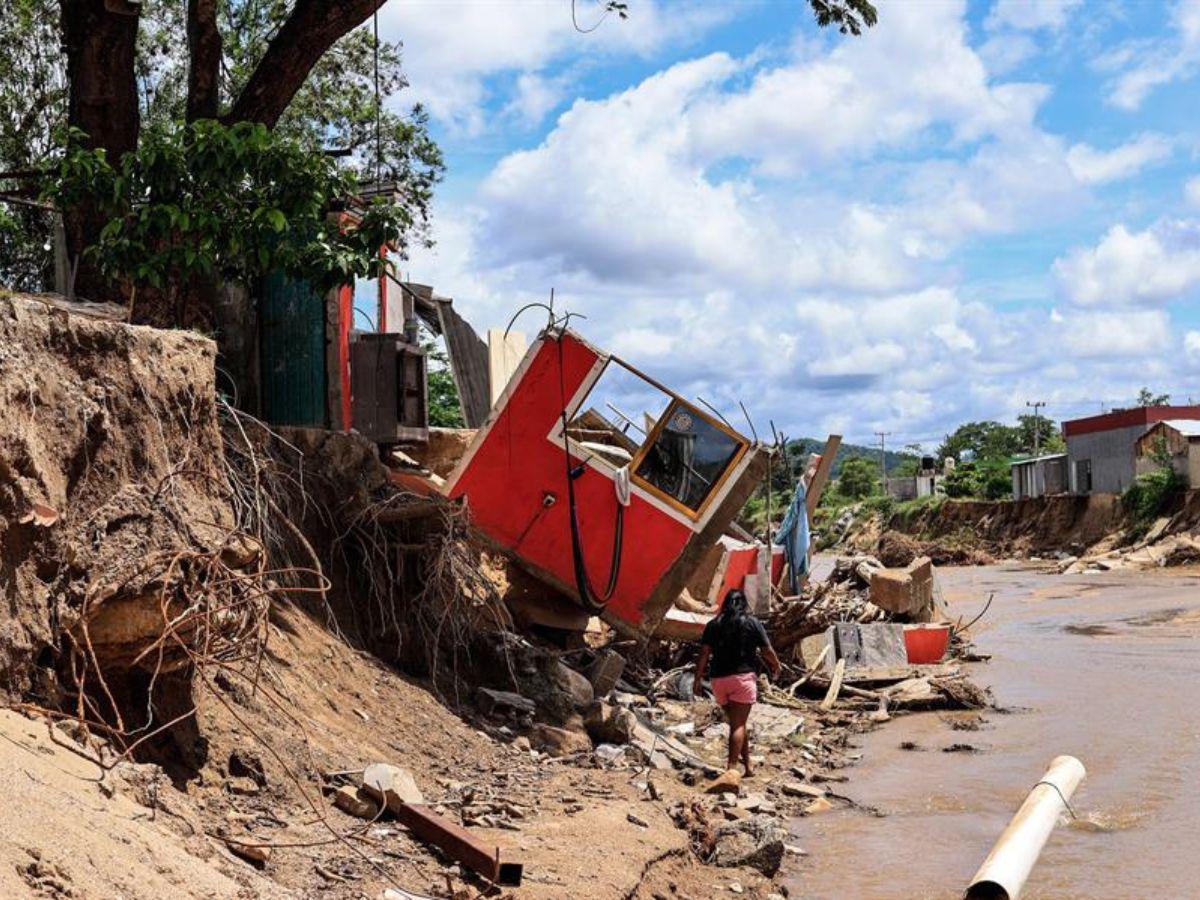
(736, 688)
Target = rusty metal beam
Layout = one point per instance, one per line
(459, 843)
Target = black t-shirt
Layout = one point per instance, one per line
(734, 644)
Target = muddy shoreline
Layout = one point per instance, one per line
(1098, 666)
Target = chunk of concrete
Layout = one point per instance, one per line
(559, 741)
(817, 651)
(391, 785)
(606, 671)
(881, 645)
(907, 591)
(575, 685)
(756, 842)
(608, 724)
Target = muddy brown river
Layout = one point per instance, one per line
(1102, 667)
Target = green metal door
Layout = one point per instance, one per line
(293, 352)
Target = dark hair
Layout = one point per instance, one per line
(735, 607)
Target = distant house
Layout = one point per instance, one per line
(1040, 476)
(1100, 449)
(909, 487)
(1178, 440)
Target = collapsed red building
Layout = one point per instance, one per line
(642, 497)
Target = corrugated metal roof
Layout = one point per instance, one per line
(1033, 459)
(1186, 427)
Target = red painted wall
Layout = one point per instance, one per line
(1142, 415)
(742, 561)
(515, 465)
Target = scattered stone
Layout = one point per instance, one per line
(637, 820)
(728, 782)
(493, 702)
(756, 803)
(606, 671)
(356, 802)
(244, 787)
(559, 741)
(391, 785)
(610, 754)
(960, 748)
(522, 744)
(257, 856)
(756, 842)
(910, 745)
(244, 764)
(608, 724)
(575, 685)
(796, 789)
(819, 805)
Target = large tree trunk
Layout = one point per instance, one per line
(204, 47)
(100, 39)
(312, 28)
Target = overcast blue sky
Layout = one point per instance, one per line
(973, 205)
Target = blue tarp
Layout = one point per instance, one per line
(794, 537)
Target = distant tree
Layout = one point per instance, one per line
(858, 478)
(1146, 398)
(445, 409)
(986, 440)
(1048, 438)
(985, 479)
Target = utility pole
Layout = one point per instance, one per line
(1037, 423)
(882, 435)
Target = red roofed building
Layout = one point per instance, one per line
(1100, 449)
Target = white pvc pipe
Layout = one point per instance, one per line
(1003, 873)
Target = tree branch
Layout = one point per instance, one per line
(312, 28)
(204, 50)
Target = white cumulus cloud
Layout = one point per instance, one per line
(1031, 15)
(1159, 62)
(1092, 166)
(1159, 264)
(1096, 335)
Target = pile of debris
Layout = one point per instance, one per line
(859, 589)
(1166, 543)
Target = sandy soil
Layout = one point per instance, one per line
(75, 830)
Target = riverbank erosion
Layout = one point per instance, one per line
(218, 633)
(1072, 658)
(1092, 532)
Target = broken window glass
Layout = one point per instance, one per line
(687, 456)
(617, 414)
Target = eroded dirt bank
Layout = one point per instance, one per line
(205, 632)
(1100, 666)
(1094, 531)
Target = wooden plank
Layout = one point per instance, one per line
(468, 364)
(821, 476)
(505, 353)
(835, 685)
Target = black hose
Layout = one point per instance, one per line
(583, 585)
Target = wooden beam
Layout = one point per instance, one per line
(821, 476)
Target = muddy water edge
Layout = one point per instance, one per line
(1102, 667)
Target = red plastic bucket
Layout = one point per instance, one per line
(926, 644)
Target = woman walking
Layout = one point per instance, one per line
(735, 642)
